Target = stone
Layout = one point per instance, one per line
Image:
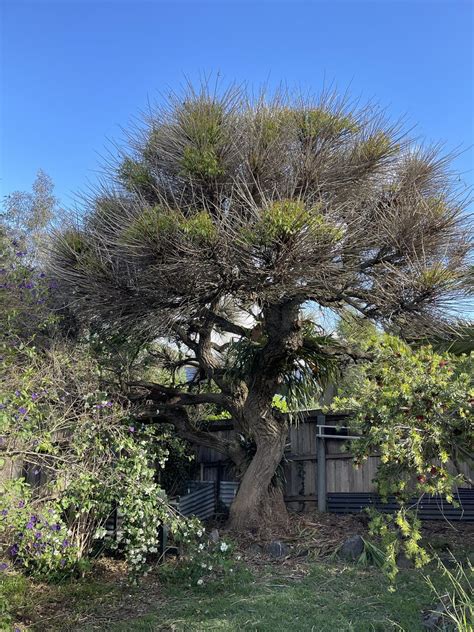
(214, 536)
(277, 549)
(404, 562)
(255, 549)
(434, 619)
(352, 548)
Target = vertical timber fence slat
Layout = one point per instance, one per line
(321, 463)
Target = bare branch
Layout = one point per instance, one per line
(168, 396)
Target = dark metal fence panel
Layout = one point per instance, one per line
(201, 497)
(427, 507)
(200, 502)
(227, 492)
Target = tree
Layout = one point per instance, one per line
(27, 216)
(224, 217)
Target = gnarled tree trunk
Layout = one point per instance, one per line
(259, 502)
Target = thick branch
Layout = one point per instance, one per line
(228, 326)
(197, 436)
(169, 396)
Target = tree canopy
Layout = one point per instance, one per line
(227, 214)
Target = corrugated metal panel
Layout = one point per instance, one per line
(227, 492)
(200, 502)
(192, 486)
(427, 508)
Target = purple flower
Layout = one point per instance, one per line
(31, 522)
(65, 543)
(20, 253)
(21, 504)
(17, 393)
(14, 550)
(55, 527)
(2, 406)
(4, 512)
(131, 429)
(3, 566)
(38, 535)
(22, 410)
(109, 404)
(34, 396)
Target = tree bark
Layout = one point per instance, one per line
(259, 503)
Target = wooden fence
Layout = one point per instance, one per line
(318, 465)
(302, 474)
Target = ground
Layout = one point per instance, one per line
(308, 591)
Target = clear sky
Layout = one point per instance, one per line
(74, 72)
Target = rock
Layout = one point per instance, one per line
(214, 536)
(255, 549)
(277, 549)
(434, 619)
(404, 562)
(352, 548)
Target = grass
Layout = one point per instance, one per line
(315, 596)
(331, 597)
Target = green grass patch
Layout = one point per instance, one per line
(332, 597)
(315, 596)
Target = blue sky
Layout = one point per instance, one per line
(73, 72)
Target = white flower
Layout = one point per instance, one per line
(203, 565)
(210, 567)
(199, 533)
(200, 582)
(224, 547)
(239, 557)
(201, 546)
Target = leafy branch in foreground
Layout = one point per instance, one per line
(84, 447)
(413, 407)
